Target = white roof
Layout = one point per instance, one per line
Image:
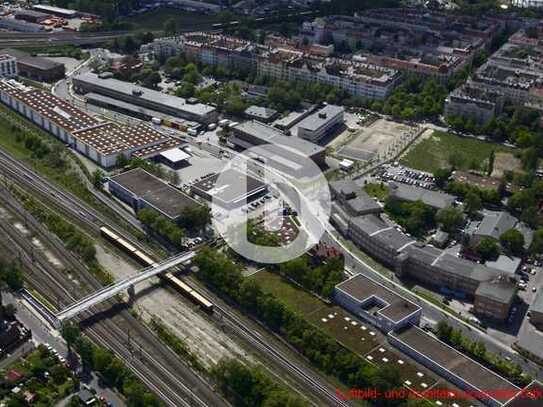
(346, 163)
(175, 155)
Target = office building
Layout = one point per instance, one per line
(321, 123)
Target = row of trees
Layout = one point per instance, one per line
(111, 368)
(251, 386)
(477, 350)
(318, 278)
(224, 276)
(161, 226)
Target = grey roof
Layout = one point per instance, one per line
(494, 224)
(422, 253)
(368, 224)
(465, 268)
(393, 239)
(262, 112)
(440, 237)
(363, 203)
(499, 289)
(345, 187)
(151, 95)
(537, 304)
(270, 135)
(506, 264)
(27, 59)
(321, 117)
(410, 193)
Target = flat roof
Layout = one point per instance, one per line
(111, 138)
(362, 288)
(234, 186)
(262, 112)
(321, 117)
(154, 96)
(29, 60)
(507, 264)
(270, 135)
(53, 108)
(154, 191)
(175, 155)
(537, 303)
(468, 370)
(530, 396)
(412, 193)
(499, 289)
(53, 9)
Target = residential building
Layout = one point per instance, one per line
(8, 66)
(473, 103)
(496, 223)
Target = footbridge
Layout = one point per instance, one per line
(125, 284)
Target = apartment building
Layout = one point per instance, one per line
(8, 66)
(474, 103)
(493, 299)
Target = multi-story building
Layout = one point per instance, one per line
(411, 40)
(37, 68)
(493, 299)
(474, 103)
(8, 66)
(282, 61)
(321, 123)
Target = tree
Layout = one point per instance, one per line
(473, 203)
(185, 90)
(513, 242)
(441, 176)
(450, 219)
(170, 26)
(537, 242)
(98, 178)
(487, 248)
(195, 217)
(70, 332)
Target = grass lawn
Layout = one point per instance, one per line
(379, 191)
(295, 298)
(435, 151)
(154, 20)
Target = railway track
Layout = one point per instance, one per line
(66, 202)
(150, 360)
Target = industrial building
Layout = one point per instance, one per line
(236, 189)
(139, 189)
(31, 16)
(455, 367)
(321, 123)
(12, 24)
(56, 11)
(102, 142)
(36, 68)
(147, 98)
(373, 302)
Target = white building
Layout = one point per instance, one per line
(8, 66)
(320, 123)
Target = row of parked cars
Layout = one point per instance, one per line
(255, 204)
(409, 176)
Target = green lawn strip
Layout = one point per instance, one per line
(434, 152)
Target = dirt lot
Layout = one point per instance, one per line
(505, 162)
(375, 139)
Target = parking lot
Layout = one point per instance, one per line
(399, 173)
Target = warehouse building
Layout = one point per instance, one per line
(20, 25)
(321, 123)
(139, 189)
(56, 11)
(31, 16)
(102, 142)
(470, 376)
(236, 189)
(147, 98)
(36, 68)
(373, 302)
